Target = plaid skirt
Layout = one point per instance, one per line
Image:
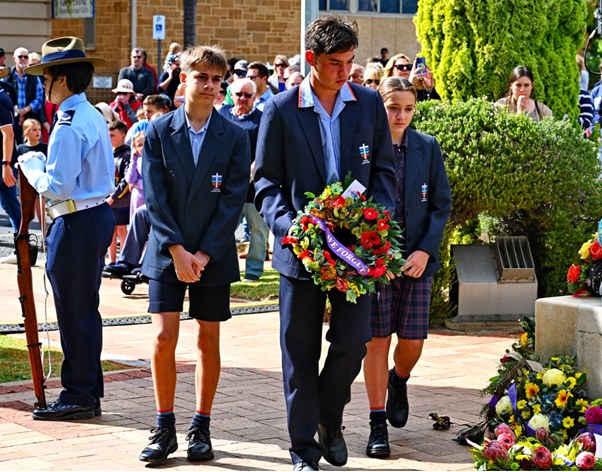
(401, 307)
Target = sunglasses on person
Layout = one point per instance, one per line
(280, 65)
(136, 57)
(242, 73)
(372, 81)
(222, 92)
(23, 57)
(253, 77)
(123, 93)
(403, 66)
(242, 94)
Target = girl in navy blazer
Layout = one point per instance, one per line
(422, 207)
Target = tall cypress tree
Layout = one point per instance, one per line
(472, 46)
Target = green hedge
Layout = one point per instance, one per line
(472, 46)
(512, 176)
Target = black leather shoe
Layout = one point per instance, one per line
(163, 442)
(306, 465)
(96, 408)
(333, 445)
(397, 404)
(378, 443)
(61, 411)
(199, 444)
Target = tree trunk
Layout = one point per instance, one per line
(189, 23)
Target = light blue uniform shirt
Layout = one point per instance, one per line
(197, 138)
(80, 161)
(260, 102)
(330, 126)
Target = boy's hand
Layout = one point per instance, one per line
(203, 257)
(110, 201)
(415, 264)
(188, 267)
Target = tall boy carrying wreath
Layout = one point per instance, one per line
(311, 136)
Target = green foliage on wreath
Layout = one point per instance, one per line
(515, 177)
(472, 47)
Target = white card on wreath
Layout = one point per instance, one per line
(536, 366)
(598, 440)
(354, 190)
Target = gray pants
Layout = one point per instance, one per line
(136, 238)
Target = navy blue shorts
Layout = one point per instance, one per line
(206, 303)
(401, 307)
(122, 216)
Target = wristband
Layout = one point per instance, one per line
(5, 163)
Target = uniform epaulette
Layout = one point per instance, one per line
(66, 118)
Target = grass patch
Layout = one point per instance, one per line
(14, 361)
(266, 289)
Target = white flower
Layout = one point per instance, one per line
(540, 421)
(504, 406)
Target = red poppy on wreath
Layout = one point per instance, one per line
(595, 250)
(305, 254)
(342, 285)
(382, 225)
(305, 221)
(370, 239)
(328, 257)
(377, 271)
(370, 214)
(289, 240)
(573, 275)
(338, 202)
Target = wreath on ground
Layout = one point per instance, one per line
(342, 212)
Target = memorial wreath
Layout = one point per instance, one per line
(342, 209)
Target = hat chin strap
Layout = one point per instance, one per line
(50, 90)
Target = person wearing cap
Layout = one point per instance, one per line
(8, 187)
(142, 78)
(240, 72)
(78, 176)
(30, 93)
(126, 104)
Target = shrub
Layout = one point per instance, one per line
(472, 47)
(516, 177)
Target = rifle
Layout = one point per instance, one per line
(24, 279)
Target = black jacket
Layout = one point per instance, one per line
(122, 193)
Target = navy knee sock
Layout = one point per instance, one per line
(201, 420)
(166, 419)
(397, 381)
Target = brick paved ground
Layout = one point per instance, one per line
(248, 425)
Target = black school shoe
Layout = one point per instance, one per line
(333, 445)
(378, 443)
(163, 442)
(61, 411)
(199, 444)
(97, 409)
(306, 465)
(397, 404)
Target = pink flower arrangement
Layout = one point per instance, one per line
(504, 429)
(585, 460)
(593, 415)
(542, 458)
(506, 440)
(543, 436)
(495, 451)
(587, 441)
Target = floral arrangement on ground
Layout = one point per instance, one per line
(539, 417)
(352, 269)
(585, 278)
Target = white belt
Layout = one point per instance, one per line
(72, 206)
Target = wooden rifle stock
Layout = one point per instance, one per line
(24, 279)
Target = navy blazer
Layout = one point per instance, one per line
(426, 215)
(290, 161)
(188, 205)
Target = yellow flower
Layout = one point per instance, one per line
(536, 409)
(526, 414)
(539, 375)
(578, 375)
(563, 434)
(583, 404)
(518, 430)
(521, 404)
(524, 339)
(531, 390)
(553, 377)
(584, 251)
(568, 422)
(572, 382)
(562, 398)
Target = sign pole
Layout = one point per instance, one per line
(159, 58)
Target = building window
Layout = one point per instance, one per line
(379, 6)
(409, 6)
(333, 5)
(90, 33)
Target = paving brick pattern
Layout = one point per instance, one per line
(248, 418)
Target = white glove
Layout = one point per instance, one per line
(32, 165)
(30, 155)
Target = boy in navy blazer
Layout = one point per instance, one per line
(310, 136)
(195, 168)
